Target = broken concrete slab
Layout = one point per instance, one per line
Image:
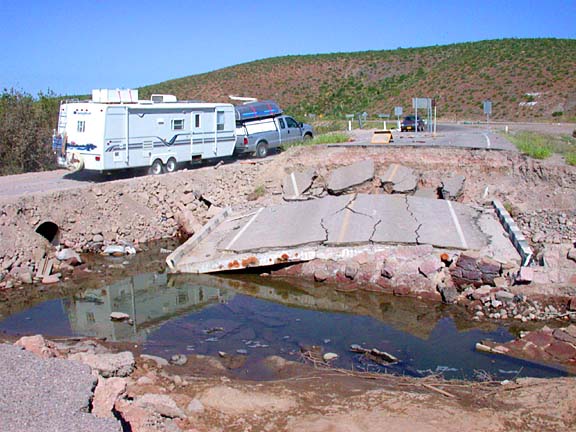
(350, 225)
(297, 183)
(349, 176)
(452, 187)
(399, 179)
(426, 192)
(290, 225)
(446, 224)
(331, 228)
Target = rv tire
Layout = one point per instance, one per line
(157, 167)
(171, 165)
(261, 150)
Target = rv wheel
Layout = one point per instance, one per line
(171, 165)
(157, 167)
(262, 150)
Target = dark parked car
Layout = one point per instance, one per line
(408, 124)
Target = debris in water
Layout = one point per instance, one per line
(375, 355)
(329, 356)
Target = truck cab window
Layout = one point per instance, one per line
(291, 122)
(282, 125)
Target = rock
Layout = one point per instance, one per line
(161, 404)
(571, 304)
(107, 365)
(449, 294)
(504, 296)
(501, 282)
(39, 346)
(320, 275)
(178, 359)
(105, 396)
(51, 279)
(481, 292)
(213, 211)
(70, 256)
(430, 266)
(144, 380)
(524, 276)
(136, 417)
(119, 316)
(187, 222)
(116, 250)
(329, 356)
(351, 270)
(160, 362)
(98, 238)
(26, 277)
(195, 407)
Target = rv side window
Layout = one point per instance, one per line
(177, 124)
(282, 125)
(220, 120)
(196, 121)
(81, 127)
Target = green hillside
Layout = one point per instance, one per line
(525, 78)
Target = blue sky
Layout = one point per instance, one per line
(71, 47)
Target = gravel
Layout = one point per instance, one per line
(46, 395)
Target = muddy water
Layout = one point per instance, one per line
(253, 317)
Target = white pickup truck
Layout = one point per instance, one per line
(260, 136)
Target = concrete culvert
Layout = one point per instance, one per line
(49, 230)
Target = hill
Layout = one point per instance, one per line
(525, 78)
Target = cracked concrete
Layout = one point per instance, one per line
(305, 227)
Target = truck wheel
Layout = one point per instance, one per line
(308, 137)
(157, 167)
(171, 165)
(262, 150)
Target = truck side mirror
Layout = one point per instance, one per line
(300, 124)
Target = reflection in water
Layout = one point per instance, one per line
(146, 297)
(261, 317)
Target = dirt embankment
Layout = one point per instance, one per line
(540, 194)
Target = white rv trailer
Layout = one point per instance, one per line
(115, 131)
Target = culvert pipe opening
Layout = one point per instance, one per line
(49, 230)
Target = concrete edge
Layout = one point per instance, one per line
(238, 261)
(516, 236)
(173, 259)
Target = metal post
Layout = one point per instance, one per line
(416, 117)
(434, 120)
(349, 125)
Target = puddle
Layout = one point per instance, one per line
(259, 317)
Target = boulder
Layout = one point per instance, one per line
(452, 187)
(70, 256)
(161, 404)
(39, 346)
(107, 392)
(108, 365)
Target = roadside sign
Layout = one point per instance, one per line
(349, 116)
(487, 107)
(384, 115)
(398, 111)
(419, 103)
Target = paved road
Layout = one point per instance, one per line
(447, 135)
(342, 222)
